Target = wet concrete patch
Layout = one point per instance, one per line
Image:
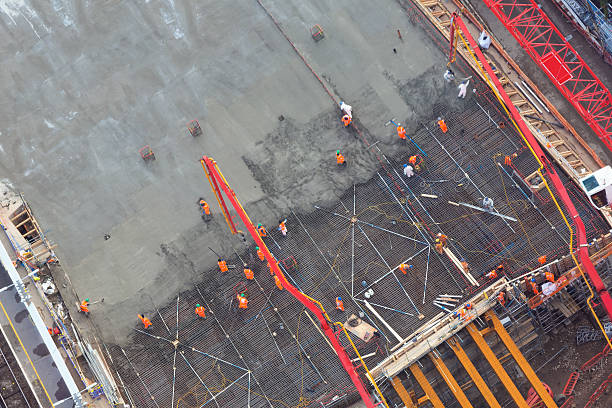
(41, 350)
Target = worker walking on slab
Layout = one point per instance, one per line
(243, 302)
(84, 307)
(401, 132)
(199, 310)
(205, 209)
(248, 273)
(260, 254)
(262, 231)
(340, 159)
(404, 268)
(222, 265)
(339, 304)
(282, 227)
(146, 322)
(408, 170)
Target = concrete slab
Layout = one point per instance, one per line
(86, 84)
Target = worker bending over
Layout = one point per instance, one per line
(339, 304)
(495, 272)
(248, 273)
(401, 132)
(484, 41)
(442, 125)
(243, 302)
(199, 310)
(262, 231)
(340, 159)
(260, 254)
(449, 75)
(550, 276)
(278, 282)
(282, 227)
(405, 268)
(205, 208)
(501, 298)
(416, 161)
(145, 321)
(84, 307)
(441, 242)
(222, 265)
(408, 170)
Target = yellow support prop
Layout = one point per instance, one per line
(473, 372)
(450, 381)
(497, 367)
(431, 394)
(402, 392)
(520, 360)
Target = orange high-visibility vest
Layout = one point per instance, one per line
(542, 259)
(465, 266)
(278, 282)
(339, 158)
(534, 287)
(222, 266)
(261, 255)
(145, 321)
(492, 274)
(248, 273)
(262, 231)
(404, 268)
(346, 119)
(282, 227)
(243, 302)
(84, 307)
(401, 132)
(200, 311)
(339, 304)
(549, 277)
(443, 126)
(412, 160)
(501, 297)
(205, 208)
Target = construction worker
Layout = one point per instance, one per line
(405, 268)
(542, 259)
(243, 302)
(339, 304)
(222, 265)
(533, 285)
(464, 265)
(401, 132)
(550, 276)
(417, 161)
(205, 207)
(441, 242)
(492, 274)
(449, 75)
(346, 120)
(463, 86)
(278, 282)
(346, 109)
(484, 41)
(408, 170)
(508, 159)
(199, 310)
(501, 298)
(262, 231)
(282, 227)
(487, 204)
(270, 267)
(260, 253)
(84, 307)
(248, 273)
(442, 125)
(340, 159)
(146, 322)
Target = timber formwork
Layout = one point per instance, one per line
(272, 354)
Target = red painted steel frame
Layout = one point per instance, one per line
(539, 37)
(582, 246)
(306, 301)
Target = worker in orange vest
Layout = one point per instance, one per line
(346, 120)
(199, 310)
(262, 231)
(248, 273)
(146, 322)
(222, 265)
(205, 207)
(416, 161)
(464, 265)
(401, 132)
(492, 274)
(534, 286)
(501, 298)
(405, 267)
(277, 280)
(340, 159)
(84, 307)
(542, 259)
(282, 227)
(441, 241)
(339, 304)
(260, 254)
(243, 302)
(549, 276)
(442, 125)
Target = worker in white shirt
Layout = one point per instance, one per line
(408, 170)
(484, 41)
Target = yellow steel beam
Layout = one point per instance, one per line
(450, 380)
(402, 392)
(497, 367)
(520, 360)
(431, 394)
(473, 372)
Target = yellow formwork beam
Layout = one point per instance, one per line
(497, 367)
(431, 394)
(473, 373)
(450, 380)
(520, 360)
(402, 392)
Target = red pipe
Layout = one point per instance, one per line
(307, 302)
(583, 248)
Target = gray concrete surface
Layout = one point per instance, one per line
(85, 84)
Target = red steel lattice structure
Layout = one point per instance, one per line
(565, 68)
